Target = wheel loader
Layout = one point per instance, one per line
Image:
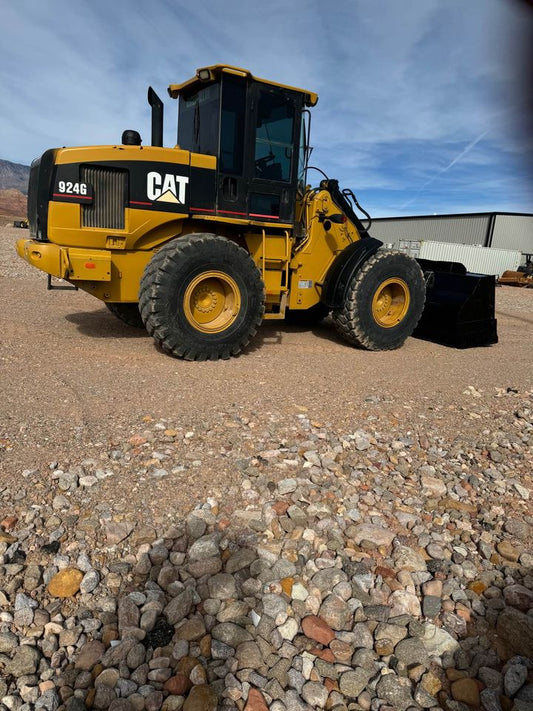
(201, 242)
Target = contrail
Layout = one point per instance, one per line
(456, 160)
(462, 154)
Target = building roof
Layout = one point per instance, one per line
(454, 215)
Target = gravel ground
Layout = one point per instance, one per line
(306, 526)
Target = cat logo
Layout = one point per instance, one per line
(166, 188)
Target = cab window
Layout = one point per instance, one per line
(198, 121)
(274, 136)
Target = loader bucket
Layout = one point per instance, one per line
(459, 310)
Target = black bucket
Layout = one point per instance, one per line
(459, 310)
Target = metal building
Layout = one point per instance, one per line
(512, 232)
(503, 230)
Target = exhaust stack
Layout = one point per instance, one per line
(157, 117)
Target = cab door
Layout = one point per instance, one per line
(272, 169)
(257, 158)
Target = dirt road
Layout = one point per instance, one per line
(361, 488)
(75, 379)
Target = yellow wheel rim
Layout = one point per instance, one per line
(212, 302)
(391, 302)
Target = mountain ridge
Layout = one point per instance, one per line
(14, 176)
(13, 188)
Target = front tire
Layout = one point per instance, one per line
(202, 297)
(383, 303)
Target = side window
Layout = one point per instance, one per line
(198, 121)
(273, 136)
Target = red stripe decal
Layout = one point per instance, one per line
(136, 202)
(232, 212)
(226, 212)
(75, 197)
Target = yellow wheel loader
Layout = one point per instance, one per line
(201, 242)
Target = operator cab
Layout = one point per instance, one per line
(254, 128)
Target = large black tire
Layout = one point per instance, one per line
(128, 313)
(384, 302)
(202, 297)
(307, 317)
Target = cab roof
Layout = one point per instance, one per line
(208, 74)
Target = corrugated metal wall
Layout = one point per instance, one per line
(513, 232)
(467, 229)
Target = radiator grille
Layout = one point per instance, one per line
(109, 189)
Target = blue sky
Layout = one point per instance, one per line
(423, 103)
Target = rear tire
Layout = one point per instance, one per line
(127, 313)
(307, 317)
(202, 297)
(383, 303)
